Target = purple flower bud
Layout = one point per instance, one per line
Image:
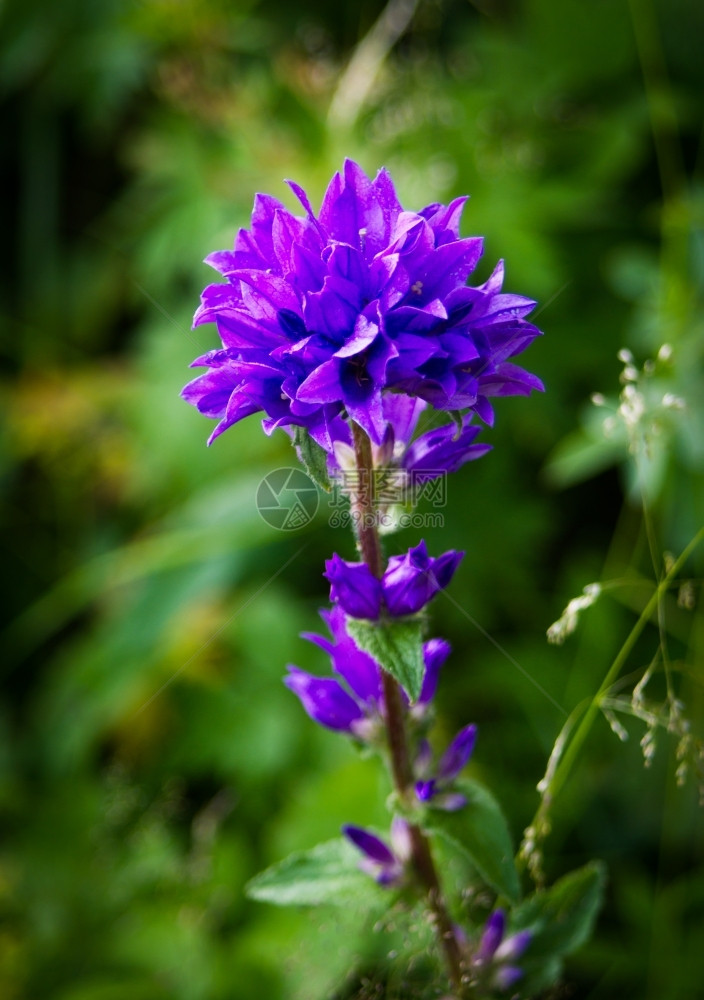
(435, 652)
(324, 700)
(457, 754)
(492, 936)
(354, 587)
(506, 976)
(425, 790)
(513, 947)
(494, 955)
(412, 580)
(385, 865)
(371, 845)
(432, 786)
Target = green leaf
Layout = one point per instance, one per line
(313, 457)
(561, 920)
(562, 916)
(480, 831)
(397, 646)
(328, 873)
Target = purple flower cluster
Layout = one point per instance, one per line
(409, 583)
(321, 315)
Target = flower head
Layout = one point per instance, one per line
(321, 315)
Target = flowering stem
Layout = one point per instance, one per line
(365, 520)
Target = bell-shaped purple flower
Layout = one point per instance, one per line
(433, 785)
(385, 864)
(352, 704)
(325, 700)
(412, 580)
(354, 588)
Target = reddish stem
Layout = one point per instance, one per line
(365, 515)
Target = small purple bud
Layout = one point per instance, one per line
(506, 976)
(492, 936)
(324, 700)
(450, 801)
(369, 844)
(354, 588)
(413, 579)
(425, 790)
(513, 947)
(379, 860)
(457, 754)
(435, 652)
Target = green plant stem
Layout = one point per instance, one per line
(614, 670)
(364, 512)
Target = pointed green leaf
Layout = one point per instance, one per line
(397, 646)
(562, 916)
(328, 873)
(480, 831)
(561, 919)
(313, 457)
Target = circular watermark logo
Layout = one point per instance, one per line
(287, 499)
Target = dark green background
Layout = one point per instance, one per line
(151, 760)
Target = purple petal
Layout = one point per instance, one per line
(354, 587)
(411, 581)
(360, 302)
(435, 652)
(450, 801)
(425, 790)
(457, 754)
(403, 413)
(443, 568)
(514, 946)
(370, 844)
(440, 450)
(507, 976)
(492, 936)
(324, 700)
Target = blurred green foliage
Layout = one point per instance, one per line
(150, 759)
